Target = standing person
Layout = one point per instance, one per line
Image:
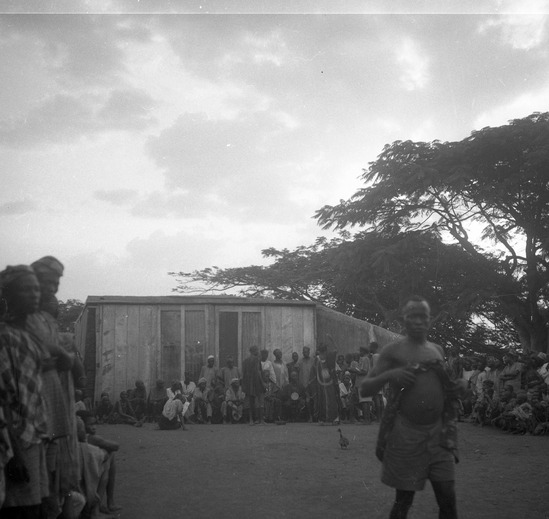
(266, 364)
(324, 387)
(59, 401)
(209, 371)
(361, 369)
(294, 365)
(511, 372)
(280, 369)
(418, 436)
(229, 372)
(24, 410)
(305, 365)
(252, 384)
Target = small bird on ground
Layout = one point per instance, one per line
(343, 442)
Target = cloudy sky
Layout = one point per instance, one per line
(142, 138)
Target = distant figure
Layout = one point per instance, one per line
(280, 369)
(209, 371)
(379, 404)
(104, 409)
(266, 364)
(123, 411)
(324, 387)
(293, 398)
(202, 408)
(293, 366)
(347, 396)
(305, 365)
(233, 406)
(229, 372)
(272, 404)
(252, 385)
(156, 400)
(139, 399)
(172, 413)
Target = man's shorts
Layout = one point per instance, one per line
(413, 455)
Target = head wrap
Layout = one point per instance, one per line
(235, 381)
(13, 273)
(202, 380)
(211, 357)
(49, 263)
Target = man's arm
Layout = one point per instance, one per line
(384, 372)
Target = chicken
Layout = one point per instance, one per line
(343, 442)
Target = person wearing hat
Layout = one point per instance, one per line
(209, 371)
(59, 398)
(23, 408)
(512, 370)
(233, 405)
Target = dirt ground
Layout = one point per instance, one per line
(299, 471)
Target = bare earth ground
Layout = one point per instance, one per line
(299, 471)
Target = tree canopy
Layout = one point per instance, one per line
(494, 184)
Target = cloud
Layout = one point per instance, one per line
(66, 117)
(519, 30)
(116, 196)
(415, 65)
(18, 207)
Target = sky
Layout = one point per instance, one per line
(140, 138)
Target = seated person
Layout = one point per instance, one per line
(216, 396)
(202, 408)
(139, 399)
(233, 405)
(123, 411)
(155, 403)
(110, 447)
(79, 404)
(172, 413)
(272, 404)
(104, 409)
(292, 398)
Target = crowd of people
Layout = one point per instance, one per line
(52, 462)
(321, 389)
(509, 392)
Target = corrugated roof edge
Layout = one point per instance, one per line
(190, 300)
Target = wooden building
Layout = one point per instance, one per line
(124, 339)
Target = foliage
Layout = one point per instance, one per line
(497, 181)
(69, 312)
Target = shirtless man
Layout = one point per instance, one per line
(413, 452)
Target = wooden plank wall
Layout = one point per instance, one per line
(348, 333)
(289, 329)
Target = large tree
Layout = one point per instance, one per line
(488, 195)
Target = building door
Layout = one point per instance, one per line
(228, 337)
(170, 339)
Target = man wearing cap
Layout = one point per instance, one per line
(209, 371)
(202, 408)
(42, 326)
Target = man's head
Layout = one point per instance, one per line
(490, 362)
(266, 375)
(294, 376)
(48, 271)
(21, 289)
(123, 395)
(347, 377)
(341, 359)
(306, 352)
(264, 355)
(159, 384)
(210, 361)
(202, 383)
(363, 351)
(277, 354)
(235, 382)
(78, 395)
(295, 356)
(254, 350)
(139, 384)
(230, 362)
(466, 363)
(416, 314)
